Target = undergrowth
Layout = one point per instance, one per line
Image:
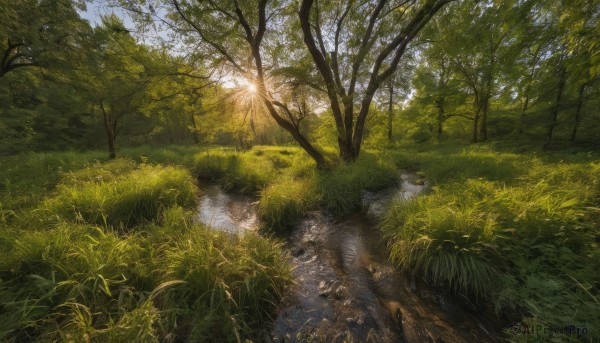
(120, 199)
(287, 183)
(516, 230)
(107, 252)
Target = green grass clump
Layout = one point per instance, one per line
(213, 164)
(447, 239)
(129, 200)
(245, 173)
(82, 283)
(99, 172)
(286, 201)
(25, 179)
(230, 284)
(288, 182)
(341, 189)
(48, 277)
(165, 155)
(519, 230)
(446, 163)
(68, 272)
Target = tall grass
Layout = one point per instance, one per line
(189, 283)
(446, 238)
(519, 230)
(120, 200)
(75, 278)
(288, 183)
(24, 179)
(231, 284)
(284, 202)
(244, 173)
(341, 189)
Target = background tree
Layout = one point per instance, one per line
(37, 32)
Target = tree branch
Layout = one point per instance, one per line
(200, 32)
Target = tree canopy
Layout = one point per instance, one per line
(319, 73)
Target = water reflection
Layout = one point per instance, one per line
(227, 212)
(346, 289)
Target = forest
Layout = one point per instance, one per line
(299, 171)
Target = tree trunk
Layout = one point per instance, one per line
(347, 153)
(293, 129)
(440, 120)
(535, 59)
(195, 127)
(350, 133)
(475, 123)
(523, 111)
(110, 132)
(477, 106)
(562, 76)
(484, 115)
(580, 96)
(391, 113)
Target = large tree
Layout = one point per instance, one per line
(254, 39)
(356, 46)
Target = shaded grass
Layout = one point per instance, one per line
(245, 173)
(341, 189)
(24, 179)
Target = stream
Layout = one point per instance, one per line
(346, 289)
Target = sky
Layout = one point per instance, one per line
(97, 8)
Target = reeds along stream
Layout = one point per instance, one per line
(345, 287)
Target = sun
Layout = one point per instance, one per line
(251, 87)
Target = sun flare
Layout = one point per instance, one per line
(251, 87)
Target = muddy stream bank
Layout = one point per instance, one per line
(346, 288)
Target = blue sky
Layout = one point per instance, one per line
(97, 8)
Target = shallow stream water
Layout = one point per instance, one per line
(346, 289)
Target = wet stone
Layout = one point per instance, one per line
(395, 310)
(298, 251)
(447, 305)
(356, 321)
(324, 288)
(413, 283)
(323, 328)
(333, 289)
(339, 292)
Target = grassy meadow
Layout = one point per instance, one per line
(105, 250)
